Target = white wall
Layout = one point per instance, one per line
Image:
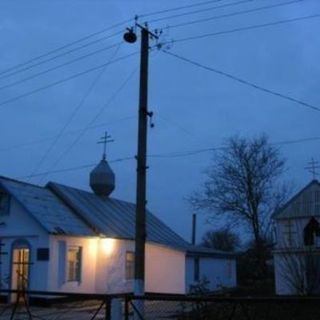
(221, 273)
(165, 269)
(104, 268)
(57, 268)
(282, 285)
(111, 266)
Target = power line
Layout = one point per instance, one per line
(85, 166)
(74, 112)
(91, 35)
(178, 8)
(200, 10)
(76, 75)
(58, 56)
(164, 155)
(66, 46)
(183, 24)
(257, 26)
(40, 141)
(59, 66)
(101, 110)
(247, 83)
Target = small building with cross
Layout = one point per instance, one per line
(63, 239)
(297, 250)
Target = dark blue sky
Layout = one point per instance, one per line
(194, 109)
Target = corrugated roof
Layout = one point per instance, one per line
(46, 208)
(115, 218)
(305, 203)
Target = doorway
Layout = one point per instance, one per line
(20, 269)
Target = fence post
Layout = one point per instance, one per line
(126, 307)
(108, 308)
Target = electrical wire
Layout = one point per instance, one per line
(91, 35)
(200, 10)
(58, 56)
(76, 75)
(177, 8)
(59, 66)
(165, 155)
(74, 112)
(245, 82)
(252, 27)
(44, 140)
(101, 110)
(232, 14)
(85, 166)
(66, 45)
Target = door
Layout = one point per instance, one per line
(20, 270)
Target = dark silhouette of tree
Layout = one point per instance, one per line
(221, 239)
(242, 184)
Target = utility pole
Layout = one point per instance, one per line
(141, 167)
(194, 229)
(140, 229)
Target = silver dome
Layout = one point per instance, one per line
(102, 179)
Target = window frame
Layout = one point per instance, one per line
(74, 267)
(129, 265)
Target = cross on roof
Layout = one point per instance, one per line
(312, 167)
(105, 139)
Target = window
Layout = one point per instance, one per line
(289, 233)
(4, 203)
(129, 265)
(74, 264)
(311, 231)
(196, 269)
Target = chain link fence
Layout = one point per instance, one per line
(66, 306)
(219, 308)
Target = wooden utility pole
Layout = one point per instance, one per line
(140, 237)
(194, 229)
(140, 229)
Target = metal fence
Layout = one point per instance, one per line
(221, 308)
(66, 306)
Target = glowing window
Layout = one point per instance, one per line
(74, 264)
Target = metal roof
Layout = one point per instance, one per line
(115, 218)
(200, 251)
(54, 216)
(304, 204)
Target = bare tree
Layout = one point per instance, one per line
(300, 271)
(242, 185)
(221, 239)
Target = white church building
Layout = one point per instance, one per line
(62, 239)
(297, 251)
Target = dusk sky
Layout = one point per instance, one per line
(270, 44)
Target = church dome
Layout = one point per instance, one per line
(102, 179)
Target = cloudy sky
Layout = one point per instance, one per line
(66, 76)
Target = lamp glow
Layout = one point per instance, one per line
(108, 245)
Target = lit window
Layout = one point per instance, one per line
(4, 203)
(74, 264)
(129, 265)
